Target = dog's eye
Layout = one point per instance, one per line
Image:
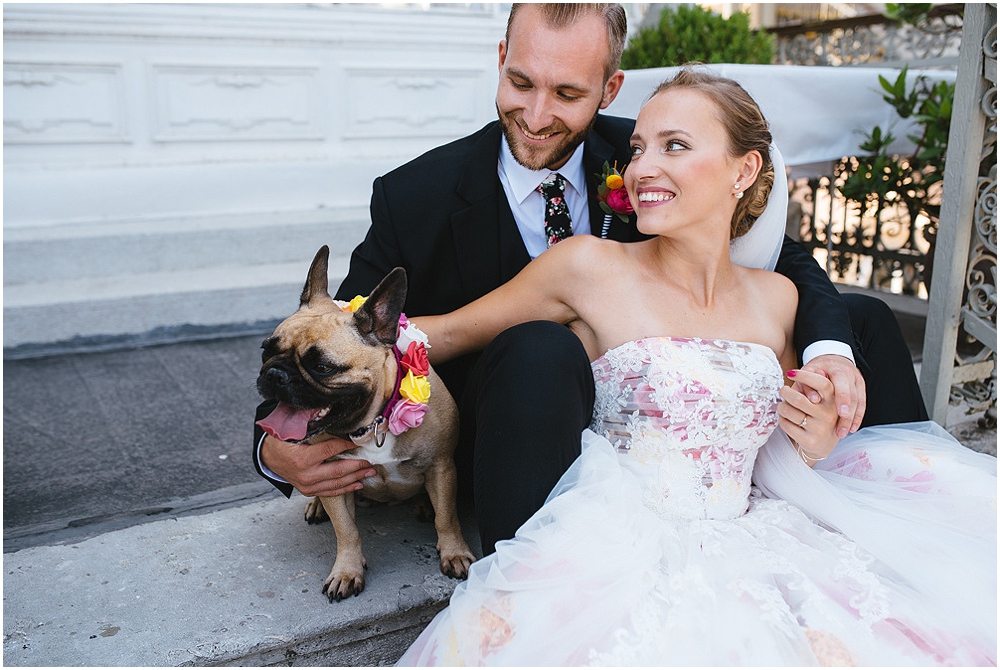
(318, 365)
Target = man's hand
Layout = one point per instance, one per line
(848, 387)
(305, 466)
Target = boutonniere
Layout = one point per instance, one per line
(612, 196)
(611, 193)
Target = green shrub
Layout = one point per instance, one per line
(910, 12)
(691, 34)
(876, 178)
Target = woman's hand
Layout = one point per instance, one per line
(849, 388)
(812, 426)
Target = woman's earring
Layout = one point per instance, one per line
(738, 194)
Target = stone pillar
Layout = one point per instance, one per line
(963, 300)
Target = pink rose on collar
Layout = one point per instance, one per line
(618, 201)
(405, 415)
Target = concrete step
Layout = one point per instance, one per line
(88, 313)
(240, 586)
(100, 284)
(38, 255)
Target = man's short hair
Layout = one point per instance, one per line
(562, 14)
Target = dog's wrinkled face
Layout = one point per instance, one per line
(329, 369)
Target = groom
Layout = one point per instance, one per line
(467, 216)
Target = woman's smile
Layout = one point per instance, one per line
(652, 196)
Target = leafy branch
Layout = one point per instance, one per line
(876, 176)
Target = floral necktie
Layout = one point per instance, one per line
(557, 221)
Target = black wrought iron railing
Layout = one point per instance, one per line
(880, 243)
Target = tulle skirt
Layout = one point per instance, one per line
(884, 554)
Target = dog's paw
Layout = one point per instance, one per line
(315, 512)
(340, 585)
(457, 564)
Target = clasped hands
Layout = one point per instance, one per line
(826, 402)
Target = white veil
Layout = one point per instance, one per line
(761, 246)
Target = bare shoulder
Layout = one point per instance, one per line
(589, 245)
(586, 253)
(777, 294)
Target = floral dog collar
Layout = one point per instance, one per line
(408, 404)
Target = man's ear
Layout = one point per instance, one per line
(378, 319)
(611, 88)
(502, 54)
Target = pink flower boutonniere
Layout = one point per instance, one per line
(611, 193)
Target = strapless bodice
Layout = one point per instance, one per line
(688, 415)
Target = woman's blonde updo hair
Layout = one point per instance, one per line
(747, 131)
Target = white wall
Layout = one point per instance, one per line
(123, 112)
(173, 165)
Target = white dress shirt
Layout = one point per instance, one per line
(528, 205)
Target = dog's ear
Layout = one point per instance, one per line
(378, 319)
(317, 283)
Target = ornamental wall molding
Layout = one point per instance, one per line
(63, 102)
(218, 102)
(429, 101)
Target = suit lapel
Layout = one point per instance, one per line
(489, 246)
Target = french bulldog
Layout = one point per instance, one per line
(336, 373)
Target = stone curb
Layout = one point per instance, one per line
(239, 586)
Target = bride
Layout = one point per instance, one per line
(654, 548)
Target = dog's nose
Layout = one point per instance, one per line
(277, 377)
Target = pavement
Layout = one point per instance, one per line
(137, 533)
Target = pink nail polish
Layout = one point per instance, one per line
(792, 373)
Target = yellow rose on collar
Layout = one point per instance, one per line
(356, 303)
(415, 388)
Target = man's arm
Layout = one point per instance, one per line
(822, 317)
(263, 410)
(822, 314)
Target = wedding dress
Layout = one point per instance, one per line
(655, 549)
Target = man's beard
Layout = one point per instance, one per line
(537, 158)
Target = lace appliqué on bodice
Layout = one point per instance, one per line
(688, 415)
